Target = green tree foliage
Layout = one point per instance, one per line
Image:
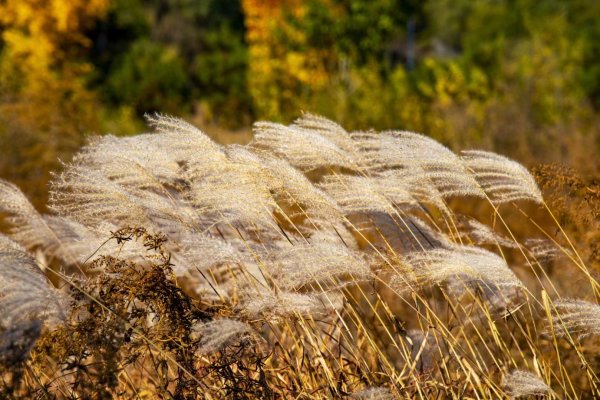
(518, 76)
(149, 77)
(172, 56)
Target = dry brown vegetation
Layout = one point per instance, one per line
(311, 263)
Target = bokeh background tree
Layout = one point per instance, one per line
(521, 77)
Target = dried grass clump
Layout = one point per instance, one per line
(312, 263)
(575, 200)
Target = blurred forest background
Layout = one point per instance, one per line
(520, 77)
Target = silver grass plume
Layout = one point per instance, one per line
(304, 149)
(22, 216)
(361, 194)
(76, 243)
(543, 250)
(327, 264)
(215, 266)
(328, 129)
(420, 157)
(159, 161)
(139, 162)
(91, 198)
(519, 383)
(299, 197)
(175, 140)
(336, 234)
(227, 190)
(483, 234)
(291, 190)
(275, 306)
(234, 194)
(25, 291)
(204, 252)
(33, 230)
(58, 237)
(27, 301)
(93, 193)
(184, 143)
(578, 318)
(503, 179)
(462, 264)
(373, 393)
(191, 149)
(146, 169)
(217, 334)
(219, 188)
(411, 180)
(167, 124)
(28, 227)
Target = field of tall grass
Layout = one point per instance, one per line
(311, 263)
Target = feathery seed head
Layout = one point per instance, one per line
(328, 129)
(271, 306)
(220, 333)
(523, 383)
(421, 157)
(327, 264)
(373, 393)
(468, 264)
(27, 225)
(25, 293)
(578, 318)
(482, 234)
(503, 179)
(361, 194)
(543, 249)
(304, 149)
